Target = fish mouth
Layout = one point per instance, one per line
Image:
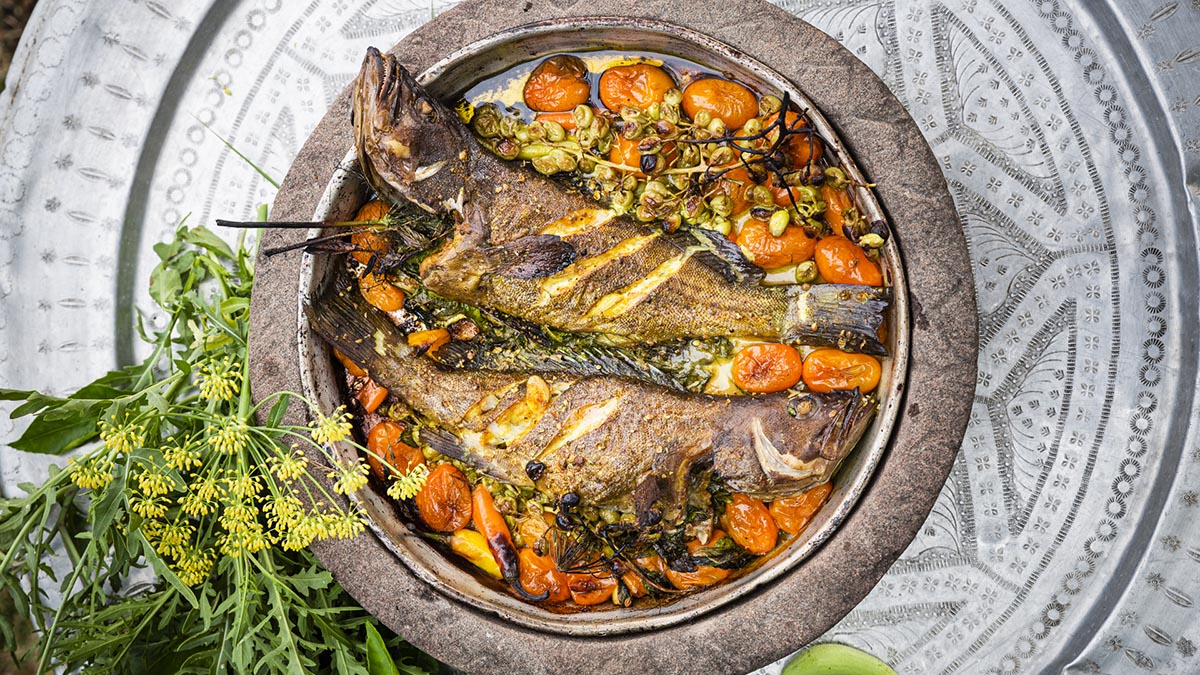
(847, 413)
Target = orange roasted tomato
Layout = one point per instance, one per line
(750, 524)
(836, 202)
(540, 575)
(762, 369)
(768, 251)
(384, 441)
(733, 184)
(445, 500)
(733, 103)
(801, 147)
(591, 589)
(793, 513)
(369, 244)
(626, 152)
(841, 261)
(634, 581)
(827, 370)
(639, 85)
(557, 84)
(704, 575)
(380, 292)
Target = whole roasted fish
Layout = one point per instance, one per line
(526, 246)
(610, 441)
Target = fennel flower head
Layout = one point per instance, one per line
(332, 428)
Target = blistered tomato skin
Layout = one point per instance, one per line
(827, 370)
(841, 261)
(767, 368)
(750, 524)
(557, 84)
(591, 589)
(768, 251)
(639, 85)
(384, 441)
(792, 514)
(733, 103)
(445, 500)
(540, 575)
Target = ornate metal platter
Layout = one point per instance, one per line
(1066, 537)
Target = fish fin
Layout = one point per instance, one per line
(342, 317)
(837, 315)
(843, 432)
(589, 361)
(445, 443)
(719, 254)
(532, 257)
(448, 444)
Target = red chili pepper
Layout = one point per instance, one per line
(491, 525)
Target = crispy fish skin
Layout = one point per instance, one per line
(586, 269)
(611, 441)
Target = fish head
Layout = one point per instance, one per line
(409, 145)
(794, 444)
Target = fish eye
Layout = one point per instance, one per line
(427, 110)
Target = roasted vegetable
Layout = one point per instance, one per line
(491, 525)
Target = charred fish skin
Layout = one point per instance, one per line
(603, 273)
(408, 147)
(602, 438)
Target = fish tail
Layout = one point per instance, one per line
(835, 315)
(357, 330)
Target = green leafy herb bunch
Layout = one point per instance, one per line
(186, 522)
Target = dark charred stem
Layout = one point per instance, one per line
(289, 224)
(510, 569)
(305, 244)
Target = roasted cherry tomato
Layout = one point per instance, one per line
(826, 370)
(350, 366)
(841, 261)
(540, 575)
(762, 369)
(384, 441)
(557, 84)
(704, 575)
(589, 589)
(750, 524)
(369, 243)
(429, 340)
(381, 293)
(635, 582)
(836, 201)
(792, 514)
(733, 184)
(639, 85)
(566, 120)
(768, 251)
(445, 499)
(625, 152)
(733, 103)
(370, 395)
(801, 147)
